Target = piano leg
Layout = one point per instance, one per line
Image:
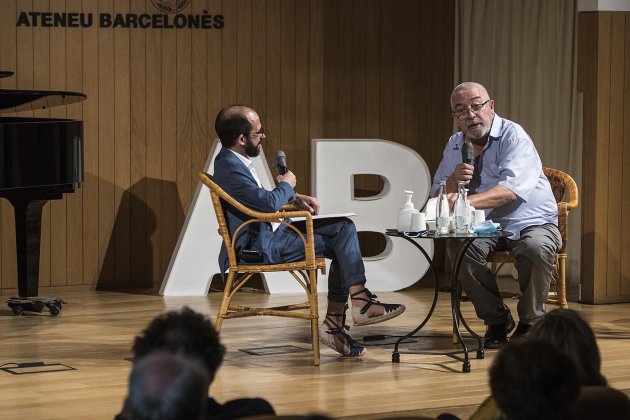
(28, 224)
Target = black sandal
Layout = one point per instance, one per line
(328, 333)
(360, 316)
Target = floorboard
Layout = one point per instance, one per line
(95, 330)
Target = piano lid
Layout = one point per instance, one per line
(28, 100)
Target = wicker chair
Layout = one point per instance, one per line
(304, 272)
(560, 184)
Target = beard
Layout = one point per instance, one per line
(251, 150)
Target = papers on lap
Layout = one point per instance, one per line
(325, 216)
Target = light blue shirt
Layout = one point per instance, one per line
(509, 158)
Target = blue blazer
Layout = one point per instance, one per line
(236, 179)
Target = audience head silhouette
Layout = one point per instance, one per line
(166, 386)
(183, 332)
(570, 333)
(532, 379)
(191, 336)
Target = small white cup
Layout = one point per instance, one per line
(479, 216)
(418, 222)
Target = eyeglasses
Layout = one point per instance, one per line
(259, 133)
(462, 113)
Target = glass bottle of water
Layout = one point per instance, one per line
(461, 210)
(442, 216)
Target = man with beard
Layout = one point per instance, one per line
(241, 134)
(508, 182)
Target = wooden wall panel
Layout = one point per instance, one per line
(122, 153)
(312, 68)
(136, 196)
(625, 204)
(41, 50)
(153, 154)
(58, 210)
(91, 120)
(74, 217)
(183, 140)
(8, 58)
(106, 141)
(169, 200)
(604, 78)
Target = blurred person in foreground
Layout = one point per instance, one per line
(192, 335)
(166, 386)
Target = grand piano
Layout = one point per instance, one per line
(40, 159)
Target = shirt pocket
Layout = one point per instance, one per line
(490, 174)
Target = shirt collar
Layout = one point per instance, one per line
(247, 161)
(495, 129)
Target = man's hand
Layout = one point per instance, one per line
(463, 172)
(307, 203)
(452, 198)
(289, 178)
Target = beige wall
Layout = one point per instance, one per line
(313, 68)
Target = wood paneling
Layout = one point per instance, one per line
(604, 78)
(312, 68)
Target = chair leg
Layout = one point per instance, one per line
(312, 297)
(494, 269)
(225, 301)
(561, 285)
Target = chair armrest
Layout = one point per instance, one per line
(289, 207)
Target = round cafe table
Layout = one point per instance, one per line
(465, 241)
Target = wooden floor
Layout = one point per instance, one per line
(94, 332)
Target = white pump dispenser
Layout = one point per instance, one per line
(405, 214)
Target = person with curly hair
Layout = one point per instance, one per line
(533, 379)
(192, 335)
(167, 386)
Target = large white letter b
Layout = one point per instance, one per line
(336, 162)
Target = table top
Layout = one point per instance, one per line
(451, 235)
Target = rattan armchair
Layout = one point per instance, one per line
(304, 272)
(561, 183)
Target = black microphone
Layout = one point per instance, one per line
(468, 156)
(280, 162)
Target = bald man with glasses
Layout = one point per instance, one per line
(507, 181)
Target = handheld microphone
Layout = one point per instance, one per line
(468, 156)
(280, 162)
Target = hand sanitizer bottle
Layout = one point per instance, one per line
(442, 211)
(404, 215)
(461, 210)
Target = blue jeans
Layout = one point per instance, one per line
(335, 239)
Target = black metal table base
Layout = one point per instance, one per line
(455, 308)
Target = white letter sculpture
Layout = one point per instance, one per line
(195, 259)
(334, 164)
